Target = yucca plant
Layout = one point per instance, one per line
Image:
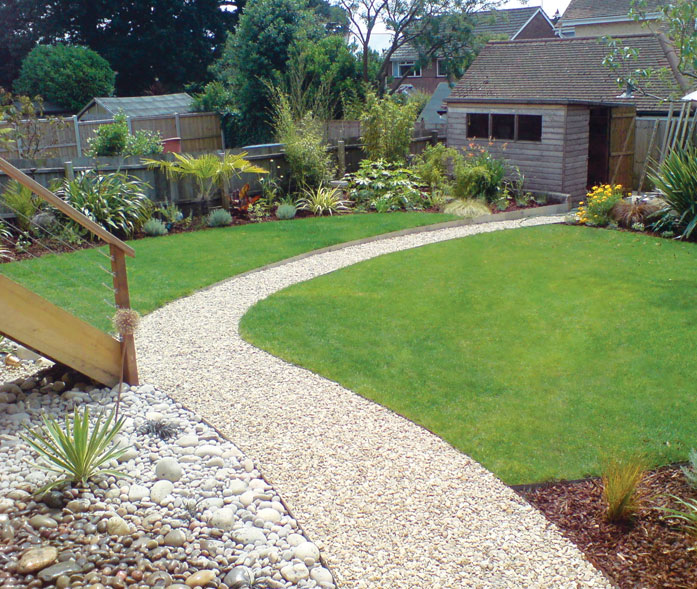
(322, 201)
(208, 170)
(76, 453)
(676, 178)
(621, 477)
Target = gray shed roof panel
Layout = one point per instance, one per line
(144, 106)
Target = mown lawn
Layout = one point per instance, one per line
(539, 351)
(169, 267)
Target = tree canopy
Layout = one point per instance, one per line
(68, 75)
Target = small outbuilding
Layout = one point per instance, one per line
(136, 106)
(551, 108)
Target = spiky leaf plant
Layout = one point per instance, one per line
(76, 453)
(466, 207)
(322, 201)
(687, 516)
(621, 477)
(676, 178)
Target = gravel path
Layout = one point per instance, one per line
(390, 504)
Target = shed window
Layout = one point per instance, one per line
(529, 128)
(503, 126)
(477, 126)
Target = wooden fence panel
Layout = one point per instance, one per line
(200, 132)
(165, 126)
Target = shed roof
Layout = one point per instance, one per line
(564, 69)
(143, 106)
(592, 9)
(506, 21)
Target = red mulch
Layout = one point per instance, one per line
(648, 552)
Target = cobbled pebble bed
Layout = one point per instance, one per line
(194, 512)
(389, 504)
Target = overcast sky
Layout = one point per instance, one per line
(381, 38)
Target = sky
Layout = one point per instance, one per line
(381, 38)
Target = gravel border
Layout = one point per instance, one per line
(388, 503)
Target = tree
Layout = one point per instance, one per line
(159, 45)
(68, 75)
(258, 51)
(441, 28)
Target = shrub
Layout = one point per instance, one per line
(676, 179)
(303, 142)
(386, 128)
(620, 480)
(434, 164)
(171, 214)
(114, 139)
(208, 170)
(322, 201)
(154, 227)
(285, 211)
(466, 207)
(600, 201)
(629, 213)
(76, 453)
(477, 181)
(115, 201)
(219, 218)
(23, 202)
(68, 75)
(385, 186)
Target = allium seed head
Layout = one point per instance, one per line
(126, 321)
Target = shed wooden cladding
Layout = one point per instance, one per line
(38, 324)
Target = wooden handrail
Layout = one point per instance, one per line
(65, 208)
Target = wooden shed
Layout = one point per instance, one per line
(559, 145)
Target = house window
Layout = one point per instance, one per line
(441, 69)
(414, 71)
(477, 126)
(529, 128)
(503, 126)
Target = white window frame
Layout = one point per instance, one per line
(438, 72)
(414, 73)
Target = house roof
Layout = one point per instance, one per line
(604, 9)
(508, 22)
(564, 69)
(143, 106)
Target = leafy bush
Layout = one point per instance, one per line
(466, 207)
(385, 186)
(620, 480)
(219, 218)
(114, 139)
(322, 201)
(68, 75)
(208, 170)
(285, 211)
(599, 203)
(386, 128)
(154, 227)
(23, 202)
(171, 213)
(76, 453)
(303, 142)
(434, 164)
(479, 176)
(676, 179)
(629, 213)
(115, 201)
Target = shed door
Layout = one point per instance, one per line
(598, 147)
(621, 161)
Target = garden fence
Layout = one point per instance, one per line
(69, 137)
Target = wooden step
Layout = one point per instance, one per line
(34, 322)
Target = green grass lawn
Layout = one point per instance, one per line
(169, 267)
(538, 351)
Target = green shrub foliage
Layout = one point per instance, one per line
(385, 187)
(386, 128)
(154, 227)
(69, 75)
(219, 218)
(114, 140)
(285, 211)
(479, 176)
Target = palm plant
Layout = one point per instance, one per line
(76, 453)
(676, 178)
(208, 170)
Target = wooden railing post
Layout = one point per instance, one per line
(123, 301)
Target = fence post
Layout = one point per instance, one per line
(129, 122)
(341, 156)
(178, 125)
(69, 171)
(123, 301)
(434, 137)
(78, 142)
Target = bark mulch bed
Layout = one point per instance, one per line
(652, 551)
